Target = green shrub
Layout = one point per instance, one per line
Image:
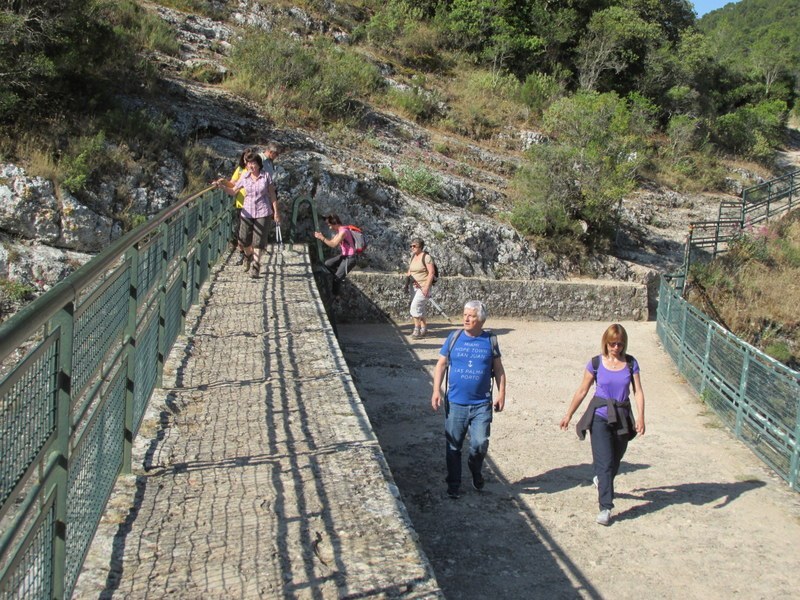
(419, 104)
(387, 175)
(419, 181)
(147, 30)
(539, 91)
(144, 132)
(387, 24)
(752, 131)
(573, 185)
(320, 81)
(780, 351)
(199, 172)
(16, 291)
(84, 157)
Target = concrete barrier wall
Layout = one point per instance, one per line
(375, 297)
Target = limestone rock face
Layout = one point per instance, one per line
(356, 172)
(28, 206)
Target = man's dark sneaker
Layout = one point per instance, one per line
(452, 492)
(478, 481)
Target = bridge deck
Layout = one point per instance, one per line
(259, 473)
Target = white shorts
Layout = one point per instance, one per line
(419, 304)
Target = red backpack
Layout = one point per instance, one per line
(359, 239)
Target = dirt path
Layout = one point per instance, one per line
(697, 516)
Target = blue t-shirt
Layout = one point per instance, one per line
(612, 384)
(470, 377)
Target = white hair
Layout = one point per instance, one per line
(479, 308)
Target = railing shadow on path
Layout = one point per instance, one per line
(302, 546)
(119, 542)
(414, 449)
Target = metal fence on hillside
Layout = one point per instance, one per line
(759, 203)
(84, 359)
(755, 395)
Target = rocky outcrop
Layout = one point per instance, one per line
(462, 220)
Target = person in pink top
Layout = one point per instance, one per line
(259, 207)
(341, 264)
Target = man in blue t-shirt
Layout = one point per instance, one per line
(474, 360)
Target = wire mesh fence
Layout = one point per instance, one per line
(83, 360)
(755, 395)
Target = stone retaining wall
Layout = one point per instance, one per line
(376, 297)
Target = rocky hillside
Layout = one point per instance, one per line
(45, 233)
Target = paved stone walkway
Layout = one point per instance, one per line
(259, 475)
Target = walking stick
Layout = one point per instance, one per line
(279, 236)
(435, 305)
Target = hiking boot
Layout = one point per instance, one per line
(604, 517)
(246, 262)
(478, 481)
(452, 492)
(239, 261)
(415, 333)
(422, 332)
(255, 270)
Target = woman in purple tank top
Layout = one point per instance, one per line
(609, 416)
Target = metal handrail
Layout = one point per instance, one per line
(34, 315)
(750, 210)
(72, 405)
(755, 395)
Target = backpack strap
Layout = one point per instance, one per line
(628, 359)
(495, 354)
(453, 337)
(595, 366)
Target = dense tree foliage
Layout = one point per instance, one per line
(573, 185)
(725, 87)
(47, 49)
(611, 70)
(757, 37)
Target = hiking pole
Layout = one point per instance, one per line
(440, 309)
(435, 305)
(279, 236)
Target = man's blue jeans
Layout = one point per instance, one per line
(477, 418)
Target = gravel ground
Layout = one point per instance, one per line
(697, 514)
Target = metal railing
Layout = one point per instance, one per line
(759, 203)
(83, 360)
(755, 395)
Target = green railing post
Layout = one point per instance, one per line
(132, 258)
(163, 349)
(682, 354)
(706, 355)
(210, 242)
(794, 464)
(64, 322)
(293, 228)
(742, 393)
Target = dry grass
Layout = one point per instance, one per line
(753, 289)
(481, 103)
